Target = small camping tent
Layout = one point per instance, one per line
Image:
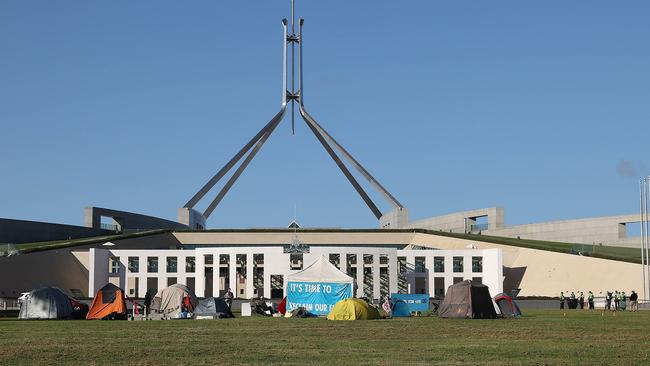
(467, 299)
(318, 287)
(400, 309)
(212, 308)
(507, 306)
(109, 303)
(282, 306)
(353, 309)
(45, 303)
(170, 301)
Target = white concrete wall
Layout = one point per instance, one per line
(276, 262)
(491, 275)
(548, 273)
(597, 230)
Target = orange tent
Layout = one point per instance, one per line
(109, 303)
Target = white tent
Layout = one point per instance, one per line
(318, 287)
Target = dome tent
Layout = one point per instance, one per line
(109, 303)
(467, 299)
(353, 309)
(507, 306)
(170, 301)
(46, 303)
(212, 308)
(318, 287)
(400, 309)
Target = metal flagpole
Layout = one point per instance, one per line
(646, 227)
(642, 221)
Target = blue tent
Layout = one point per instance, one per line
(400, 309)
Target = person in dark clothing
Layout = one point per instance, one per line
(147, 302)
(562, 300)
(608, 301)
(617, 298)
(590, 300)
(634, 305)
(228, 297)
(260, 306)
(582, 300)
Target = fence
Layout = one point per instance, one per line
(7, 250)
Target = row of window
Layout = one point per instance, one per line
(152, 264)
(439, 264)
(190, 264)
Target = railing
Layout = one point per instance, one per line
(7, 250)
(475, 228)
(9, 304)
(111, 227)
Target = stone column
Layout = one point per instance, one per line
(250, 281)
(216, 280)
(360, 292)
(233, 274)
(430, 275)
(393, 272)
(199, 278)
(267, 280)
(376, 279)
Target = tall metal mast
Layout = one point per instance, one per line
(292, 96)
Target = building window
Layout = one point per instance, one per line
(458, 264)
(172, 264)
(134, 264)
(478, 280)
(209, 259)
(438, 264)
(115, 265)
(477, 264)
(457, 279)
(335, 260)
(296, 261)
(420, 264)
(190, 264)
(152, 264)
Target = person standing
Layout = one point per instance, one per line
(616, 300)
(147, 303)
(228, 297)
(582, 300)
(634, 305)
(623, 303)
(608, 301)
(590, 300)
(572, 300)
(562, 299)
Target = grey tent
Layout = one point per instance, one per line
(467, 299)
(507, 306)
(46, 303)
(212, 308)
(169, 302)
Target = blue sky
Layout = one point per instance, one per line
(542, 108)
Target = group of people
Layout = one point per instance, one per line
(619, 300)
(574, 301)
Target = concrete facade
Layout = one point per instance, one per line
(376, 270)
(22, 231)
(127, 220)
(535, 272)
(608, 230)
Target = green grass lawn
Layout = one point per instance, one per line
(539, 338)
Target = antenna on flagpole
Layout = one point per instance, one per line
(293, 65)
